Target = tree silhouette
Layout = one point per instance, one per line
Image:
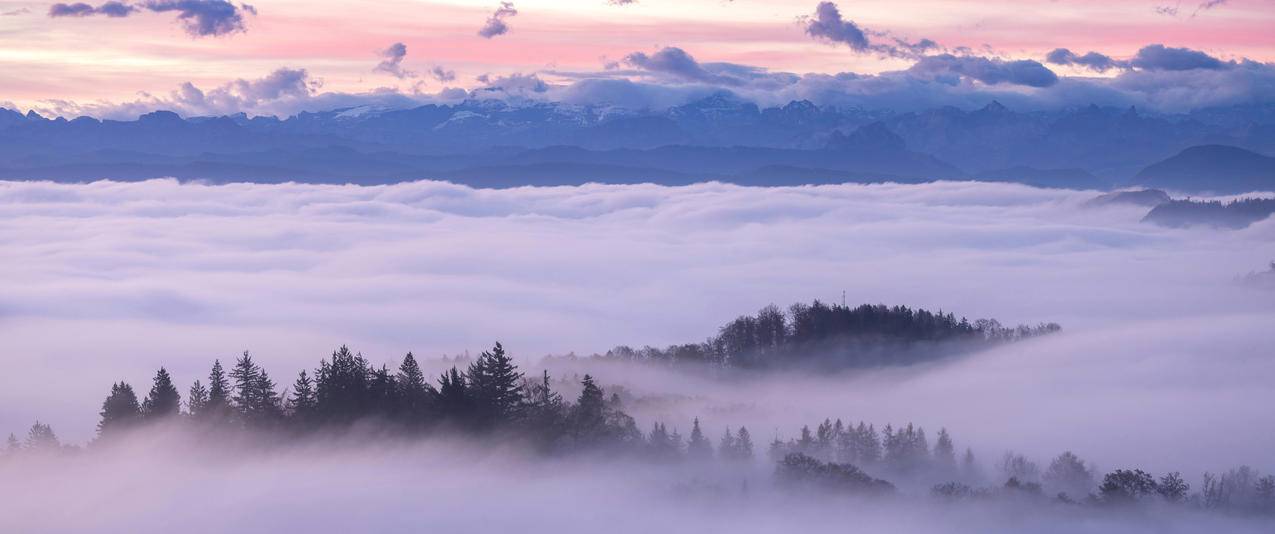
(120, 410)
(197, 399)
(698, 447)
(218, 406)
(414, 393)
(42, 439)
(163, 400)
(495, 384)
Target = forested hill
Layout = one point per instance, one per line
(823, 335)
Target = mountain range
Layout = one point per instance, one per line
(721, 137)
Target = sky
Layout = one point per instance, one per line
(70, 59)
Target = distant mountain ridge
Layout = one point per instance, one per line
(718, 137)
(1212, 168)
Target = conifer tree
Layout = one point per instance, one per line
(266, 407)
(496, 385)
(453, 396)
(120, 410)
(944, 450)
(13, 445)
(163, 399)
(413, 392)
(197, 399)
(41, 438)
(303, 402)
(743, 445)
(218, 406)
(342, 386)
(698, 448)
(245, 374)
(589, 414)
(726, 447)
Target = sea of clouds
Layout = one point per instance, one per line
(1164, 362)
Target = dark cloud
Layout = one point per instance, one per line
(80, 9)
(621, 2)
(1160, 57)
(828, 25)
(496, 22)
(1092, 60)
(442, 75)
(989, 71)
(392, 62)
(203, 18)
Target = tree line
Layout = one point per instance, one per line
(824, 335)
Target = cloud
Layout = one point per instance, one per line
(1160, 57)
(392, 63)
(828, 25)
(200, 18)
(1092, 60)
(517, 84)
(622, 2)
(675, 63)
(496, 22)
(441, 74)
(1176, 9)
(15, 12)
(203, 18)
(80, 9)
(985, 70)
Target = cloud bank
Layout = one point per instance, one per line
(111, 280)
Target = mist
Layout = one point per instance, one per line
(1164, 362)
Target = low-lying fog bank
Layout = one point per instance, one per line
(164, 481)
(1164, 362)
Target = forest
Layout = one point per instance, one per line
(492, 401)
(820, 335)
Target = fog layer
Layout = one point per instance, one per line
(1164, 356)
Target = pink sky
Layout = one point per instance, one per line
(113, 59)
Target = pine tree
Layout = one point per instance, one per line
(496, 385)
(13, 445)
(413, 392)
(944, 450)
(266, 407)
(342, 386)
(698, 448)
(453, 399)
(120, 410)
(218, 406)
(589, 413)
(245, 374)
(163, 399)
(743, 445)
(42, 439)
(726, 447)
(302, 403)
(969, 466)
(197, 399)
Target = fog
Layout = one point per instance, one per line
(169, 482)
(1164, 363)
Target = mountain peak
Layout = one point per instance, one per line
(995, 107)
(873, 136)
